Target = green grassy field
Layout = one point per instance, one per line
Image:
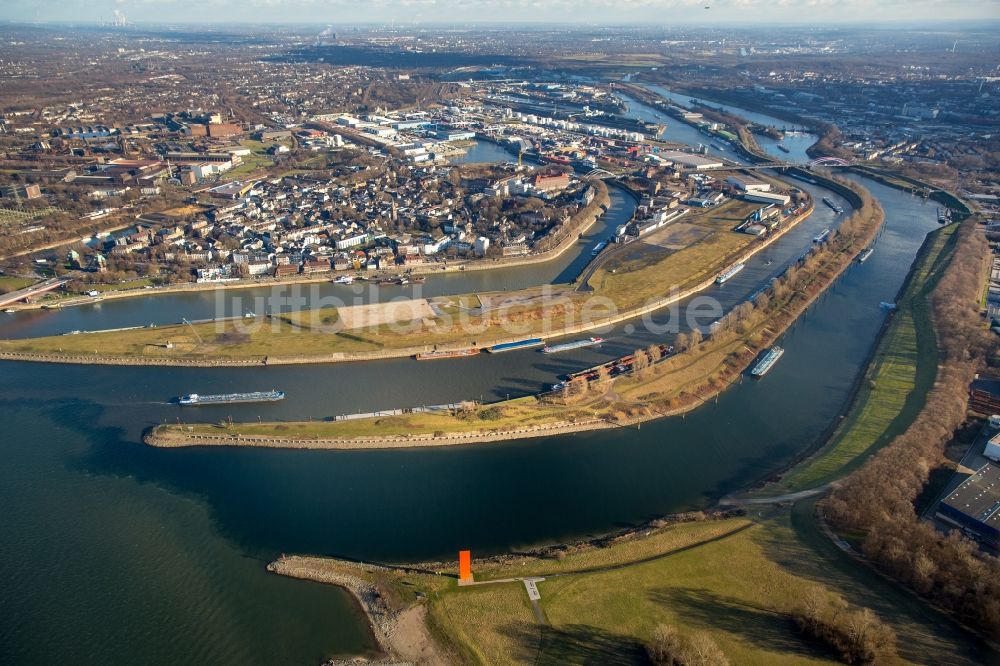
(738, 588)
(649, 545)
(251, 163)
(312, 318)
(9, 283)
(641, 276)
(138, 283)
(896, 382)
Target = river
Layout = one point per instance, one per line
(118, 553)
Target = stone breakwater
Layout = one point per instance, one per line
(98, 359)
(170, 439)
(401, 632)
(381, 618)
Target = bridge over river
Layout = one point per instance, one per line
(36, 289)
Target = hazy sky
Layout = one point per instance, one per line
(662, 12)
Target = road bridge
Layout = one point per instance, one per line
(822, 162)
(600, 173)
(36, 289)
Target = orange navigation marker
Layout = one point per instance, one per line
(464, 566)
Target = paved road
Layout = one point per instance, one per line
(614, 250)
(534, 596)
(775, 499)
(34, 290)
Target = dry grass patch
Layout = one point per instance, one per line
(491, 624)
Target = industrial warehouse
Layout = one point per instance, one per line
(975, 505)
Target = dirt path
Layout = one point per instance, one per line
(775, 499)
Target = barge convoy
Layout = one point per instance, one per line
(576, 344)
(614, 368)
(229, 398)
(729, 272)
(508, 346)
(767, 362)
(512, 346)
(446, 353)
(833, 205)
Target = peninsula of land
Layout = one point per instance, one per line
(663, 381)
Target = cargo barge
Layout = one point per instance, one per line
(783, 149)
(229, 398)
(833, 205)
(618, 366)
(576, 344)
(767, 362)
(513, 346)
(822, 236)
(867, 252)
(446, 353)
(729, 272)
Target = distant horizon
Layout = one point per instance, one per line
(585, 13)
(931, 25)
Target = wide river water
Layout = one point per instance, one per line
(113, 552)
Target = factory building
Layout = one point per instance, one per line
(748, 184)
(975, 505)
(768, 198)
(689, 161)
(992, 450)
(454, 135)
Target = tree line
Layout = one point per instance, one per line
(754, 323)
(854, 635)
(878, 500)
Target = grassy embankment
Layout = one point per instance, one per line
(9, 283)
(895, 385)
(735, 579)
(138, 283)
(632, 285)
